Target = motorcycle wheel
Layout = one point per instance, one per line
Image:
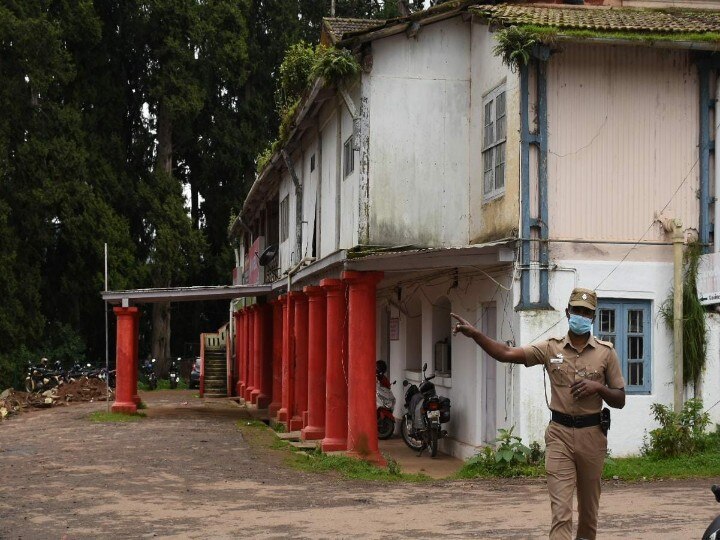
(386, 428)
(411, 442)
(29, 387)
(433, 442)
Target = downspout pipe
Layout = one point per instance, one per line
(298, 203)
(678, 385)
(525, 138)
(704, 158)
(716, 198)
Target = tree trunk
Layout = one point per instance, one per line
(160, 344)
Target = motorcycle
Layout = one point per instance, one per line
(713, 531)
(41, 378)
(174, 374)
(148, 369)
(421, 426)
(385, 402)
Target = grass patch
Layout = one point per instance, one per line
(164, 384)
(101, 416)
(142, 405)
(700, 465)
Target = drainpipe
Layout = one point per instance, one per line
(678, 240)
(298, 203)
(704, 157)
(716, 198)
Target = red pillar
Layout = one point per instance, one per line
(263, 356)
(250, 369)
(136, 363)
(242, 356)
(300, 334)
(288, 374)
(238, 348)
(317, 322)
(277, 337)
(362, 420)
(336, 401)
(125, 359)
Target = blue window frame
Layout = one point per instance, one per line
(627, 324)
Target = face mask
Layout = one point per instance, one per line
(580, 325)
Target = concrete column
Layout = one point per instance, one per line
(238, 351)
(288, 375)
(242, 354)
(257, 354)
(300, 334)
(317, 336)
(277, 337)
(336, 400)
(251, 354)
(135, 359)
(362, 420)
(263, 353)
(125, 359)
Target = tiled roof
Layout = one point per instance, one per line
(604, 18)
(338, 27)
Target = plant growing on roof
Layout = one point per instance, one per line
(334, 65)
(294, 74)
(515, 45)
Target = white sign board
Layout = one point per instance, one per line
(708, 280)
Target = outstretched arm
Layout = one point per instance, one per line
(499, 351)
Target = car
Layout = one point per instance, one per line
(194, 381)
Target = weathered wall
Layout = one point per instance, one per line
(499, 217)
(419, 100)
(328, 183)
(623, 135)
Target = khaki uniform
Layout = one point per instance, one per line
(575, 456)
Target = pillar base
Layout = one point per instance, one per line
(295, 424)
(241, 390)
(136, 399)
(305, 419)
(334, 445)
(273, 409)
(262, 401)
(124, 407)
(282, 415)
(374, 457)
(238, 390)
(248, 394)
(312, 433)
(254, 396)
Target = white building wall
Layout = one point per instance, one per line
(328, 182)
(349, 184)
(419, 100)
(287, 246)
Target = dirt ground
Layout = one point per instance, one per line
(186, 472)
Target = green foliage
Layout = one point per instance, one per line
(679, 433)
(510, 459)
(334, 65)
(694, 325)
(698, 465)
(294, 74)
(515, 45)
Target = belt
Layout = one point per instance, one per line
(586, 420)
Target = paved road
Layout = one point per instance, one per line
(186, 472)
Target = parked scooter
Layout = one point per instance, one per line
(713, 531)
(425, 413)
(385, 402)
(174, 373)
(41, 378)
(148, 369)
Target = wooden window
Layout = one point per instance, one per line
(626, 323)
(493, 145)
(348, 157)
(284, 218)
(312, 163)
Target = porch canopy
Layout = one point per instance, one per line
(184, 294)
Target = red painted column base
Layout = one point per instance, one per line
(254, 396)
(334, 445)
(273, 409)
(239, 390)
(282, 415)
(295, 424)
(126, 407)
(311, 433)
(263, 401)
(375, 458)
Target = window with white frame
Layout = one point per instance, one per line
(348, 157)
(626, 323)
(493, 144)
(284, 218)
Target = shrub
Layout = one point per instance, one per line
(334, 65)
(679, 433)
(511, 458)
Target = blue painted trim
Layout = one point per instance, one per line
(525, 138)
(543, 179)
(704, 80)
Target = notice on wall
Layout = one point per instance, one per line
(708, 279)
(394, 329)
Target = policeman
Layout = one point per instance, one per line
(584, 371)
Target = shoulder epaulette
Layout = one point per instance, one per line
(557, 338)
(606, 343)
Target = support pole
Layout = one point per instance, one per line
(277, 337)
(678, 240)
(362, 412)
(300, 334)
(317, 324)
(250, 368)
(336, 400)
(125, 354)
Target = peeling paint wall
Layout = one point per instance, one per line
(328, 182)
(349, 184)
(499, 217)
(419, 132)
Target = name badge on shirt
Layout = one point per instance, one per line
(558, 359)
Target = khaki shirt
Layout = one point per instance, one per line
(596, 361)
